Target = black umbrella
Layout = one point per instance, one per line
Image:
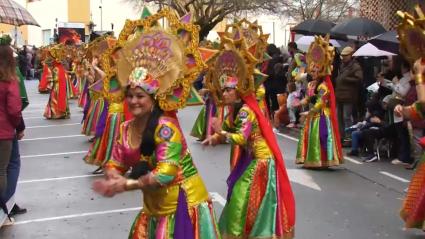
(317, 27)
(387, 42)
(359, 26)
(313, 27)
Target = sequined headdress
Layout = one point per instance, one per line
(252, 33)
(235, 66)
(162, 61)
(320, 55)
(411, 34)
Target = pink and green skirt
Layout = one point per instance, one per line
(196, 222)
(103, 145)
(317, 147)
(93, 115)
(254, 208)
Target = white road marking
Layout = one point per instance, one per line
(55, 137)
(288, 137)
(53, 154)
(34, 117)
(52, 125)
(33, 110)
(78, 215)
(352, 160)
(403, 180)
(296, 140)
(302, 177)
(218, 198)
(59, 179)
(38, 117)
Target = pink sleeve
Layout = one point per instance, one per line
(14, 104)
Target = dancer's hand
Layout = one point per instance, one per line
(109, 187)
(398, 110)
(112, 173)
(419, 66)
(209, 141)
(216, 124)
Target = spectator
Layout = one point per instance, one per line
(371, 134)
(274, 82)
(23, 62)
(348, 85)
(28, 53)
(293, 104)
(374, 119)
(10, 110)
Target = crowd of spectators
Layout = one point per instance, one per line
(366, 90)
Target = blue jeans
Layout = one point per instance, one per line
(355, 139)
(13, 170)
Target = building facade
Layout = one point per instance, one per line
(384, 12)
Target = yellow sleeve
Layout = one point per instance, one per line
(243, 126)
(168, 151)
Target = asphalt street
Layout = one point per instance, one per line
(354, 201)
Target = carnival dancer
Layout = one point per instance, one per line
(96, 110)
(319, 145)
(413, 208)
(114, 95)
(158, 73)
(98, 114)
(260, 202)
(43, 85)
(202, 128)
(81, 73)
(57, 106)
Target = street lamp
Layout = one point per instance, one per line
(101, 18)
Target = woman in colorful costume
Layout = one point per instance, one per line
(203, 123)
(411, 35)
(57, 106)
(96, 108)
(158, 68)
(97, 147)
(43, 85)
(81, 72)
(319, 145)
(260, 202)
(114, 95)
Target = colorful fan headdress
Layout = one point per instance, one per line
(411, 34)
(252, 33)
(234, 67)
(162, 61)
(58, 52)
(320, 56)
(255, 43)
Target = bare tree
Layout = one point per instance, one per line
(331, 10)
(208, 13)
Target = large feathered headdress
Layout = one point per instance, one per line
(320, 55)
(164, 61)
